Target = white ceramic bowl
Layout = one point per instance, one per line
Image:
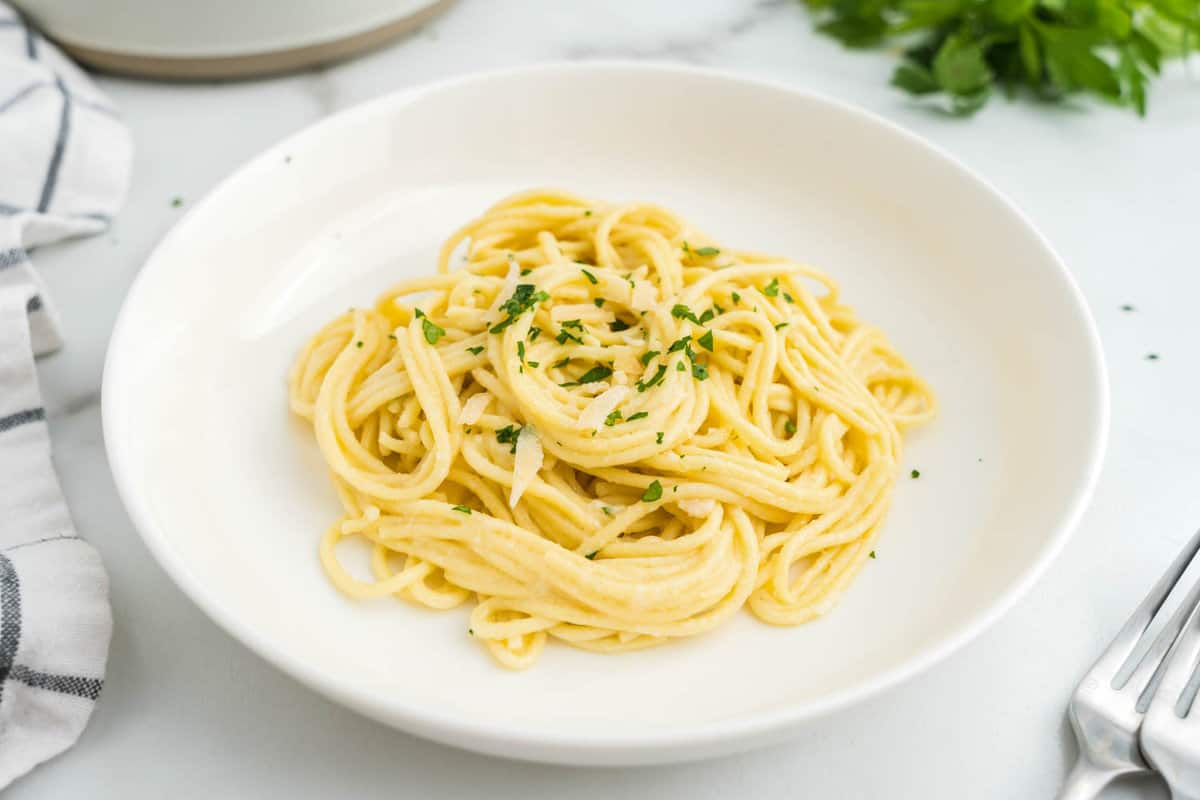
(230, 494)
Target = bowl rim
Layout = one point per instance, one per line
(729, 734)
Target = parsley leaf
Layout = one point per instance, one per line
(596, 373)
(789, 426)
(475, 350)
(589, 276)
(699, 372)
(646, 356)
(562, 363)
(638, 415)
(772, 288)
(658, 437)
(598, 302)
(706, 341)
(653, 492)
(679, 344)
(706, 251)
(432, 332)
(655, 379)
(707, 315)
(613, 418)
(618, 325)
(508, 435)
(680, 311)
(737, 298)
(462, 509)
(524, 297)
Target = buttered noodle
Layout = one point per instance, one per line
(608, 429)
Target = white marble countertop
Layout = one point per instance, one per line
(188, 712)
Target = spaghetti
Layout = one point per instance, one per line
(607, 429)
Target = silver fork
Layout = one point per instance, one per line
(1170, 732)
(1108, 706)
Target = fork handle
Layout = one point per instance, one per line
(1086, 781)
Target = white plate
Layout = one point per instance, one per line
(230, 495)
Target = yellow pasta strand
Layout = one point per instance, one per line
(607, 429)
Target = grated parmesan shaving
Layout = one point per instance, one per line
(644, 296)
(472, 410)
(526, 464)
(494, 314)
(701, 507)
(601, 406)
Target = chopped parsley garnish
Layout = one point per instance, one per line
(564, 334)
(872, 554)
(719, 310)
(638, 415)
(561, 363)
(916, 473)
(592, 278)
(418, 313)
(475, 350)
(524, 298)
(534, 332)
(653, 492)
(679, 344)
(707, 315)
(680, 311)
(533, 364)
(772, 288)
(592, 555)
(655, 379)
(521, 352)
(699, 372)
(789, 426)
(462, 509)
(646, 356)
(788, 297)
(686, 249)
(392, 336)
(618, 325)
(781, 325)
(176, 202)
(508, 435)
(706, 341)
(737, 298)
(470, 631)
(525, 272)
(607, 511)
(598, 302)
(706, 251)
(679, 367)
(596, 373)
(1127, 307)
(358, 344)
(1152, 356)
(587, 213)
(613, 418)
(658, 437)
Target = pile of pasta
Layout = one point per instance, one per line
(602, 426)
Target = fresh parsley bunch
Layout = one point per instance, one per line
(960, 50)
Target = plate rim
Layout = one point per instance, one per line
(725, 735)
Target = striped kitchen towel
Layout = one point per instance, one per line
(64, 168)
